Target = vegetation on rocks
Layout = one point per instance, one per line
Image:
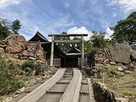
(112, 72)
(8, 78)
(16, 74)
(32, 67)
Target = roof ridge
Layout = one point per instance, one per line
(41, 36)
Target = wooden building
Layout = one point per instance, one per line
(60, 59)
(72, 58)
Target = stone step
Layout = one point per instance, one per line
(54, 92)
(40, 91)
(84, 93)
(84, 83)
(71, 93)
(68, 74)
(62, 82)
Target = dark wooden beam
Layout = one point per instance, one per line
(68, 35)
(67, 41)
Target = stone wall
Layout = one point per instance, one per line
(118, 53)
(116, 56)
(21, 49)
(103, 94)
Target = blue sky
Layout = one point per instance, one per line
(71, 16)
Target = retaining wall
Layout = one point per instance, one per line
(103, 94)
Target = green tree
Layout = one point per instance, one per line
(4, 32)
(126, 29)
(4, 22)
(98, 40)
(63, 46)
(87, 47)
(4, 28)
(15, 26)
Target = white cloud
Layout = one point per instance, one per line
(127, 5)
(81, 30)
(6, 3)
(112, 2)
(109, 32)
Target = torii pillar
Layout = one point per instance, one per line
(82, 52)
(52, 51)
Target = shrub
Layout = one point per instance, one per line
(32, 66)
(112, 72)
(30, 63)
(8, 80)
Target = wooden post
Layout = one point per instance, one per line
(82, 53)
(52, 51)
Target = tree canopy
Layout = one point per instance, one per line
(15, 26)
(98, 40)
(4, 28)
(4, 32)
(126, 29)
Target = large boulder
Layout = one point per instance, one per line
(15, 44)
(121, 53)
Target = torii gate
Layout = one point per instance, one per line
(78, 41)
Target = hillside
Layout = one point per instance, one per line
(115, 67)
(22, 67)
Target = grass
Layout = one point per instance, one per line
(122, 86)
(31, 66)
(131, 85)
(8, 78)
(125, 92)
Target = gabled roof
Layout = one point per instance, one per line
(74, 50)
(38, 37)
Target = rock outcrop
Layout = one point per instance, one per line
(120, 53)
(21, 49)
(117, 57)
(15, 43)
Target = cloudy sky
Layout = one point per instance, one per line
(71, 16)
